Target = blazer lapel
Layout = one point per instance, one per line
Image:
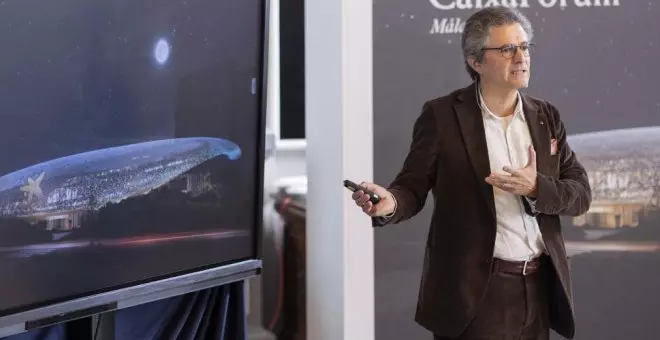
(538, 129)
(471, 124)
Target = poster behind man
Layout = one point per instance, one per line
(594, 61)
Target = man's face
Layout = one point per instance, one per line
(503, 64)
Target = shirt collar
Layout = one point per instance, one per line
(517, 111)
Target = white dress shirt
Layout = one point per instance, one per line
(518, 235)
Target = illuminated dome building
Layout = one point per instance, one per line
(624, 173)
(62, 190)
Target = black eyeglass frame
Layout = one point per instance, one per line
(511, 48)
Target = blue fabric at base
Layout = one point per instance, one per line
(212, 314)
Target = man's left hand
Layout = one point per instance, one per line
(519, 181)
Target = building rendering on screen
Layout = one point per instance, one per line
(61, 191)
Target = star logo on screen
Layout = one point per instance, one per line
(33, 188)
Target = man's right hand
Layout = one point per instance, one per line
(385, 206)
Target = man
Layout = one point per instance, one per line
(501, 173)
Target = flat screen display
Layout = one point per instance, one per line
(130, 142)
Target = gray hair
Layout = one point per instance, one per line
(477, 29)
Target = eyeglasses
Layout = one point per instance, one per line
(508, 51)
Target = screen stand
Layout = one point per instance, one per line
(69, 317)
(82, 324)
(96, 327)
(105, 304)
(80, 329)
(104, 326)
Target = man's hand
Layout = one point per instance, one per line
(384, 207)
(520, 181)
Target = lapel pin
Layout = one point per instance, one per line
(541, 122)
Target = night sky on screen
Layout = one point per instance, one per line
(77, 75)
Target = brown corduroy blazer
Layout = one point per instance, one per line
(449, 156)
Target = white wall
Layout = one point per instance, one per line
(290, 162)
(338, 127)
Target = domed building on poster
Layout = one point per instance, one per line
(624, 174)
